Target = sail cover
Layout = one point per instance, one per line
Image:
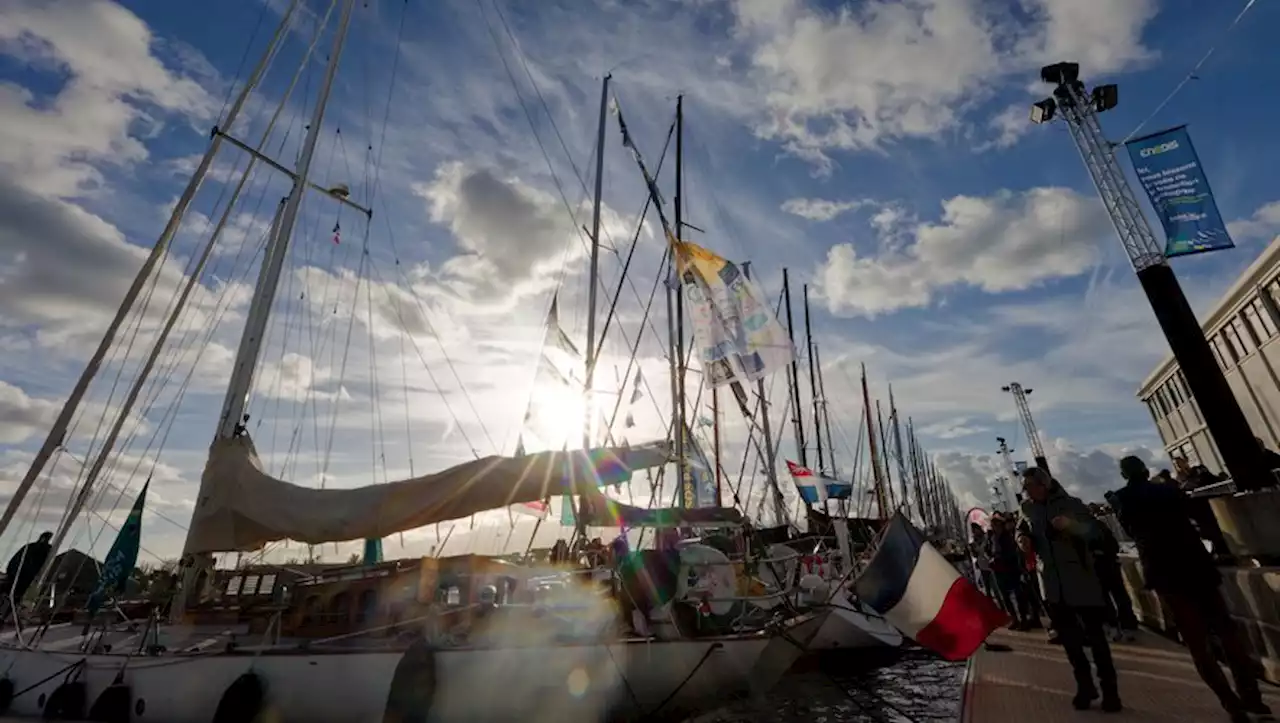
(241, 507)
(596, 510)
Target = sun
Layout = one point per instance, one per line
(557, 416)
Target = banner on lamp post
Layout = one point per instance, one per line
(1170, 172)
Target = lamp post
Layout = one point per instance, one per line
(1079, 108)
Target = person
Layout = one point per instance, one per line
(1165, 477)
(1062, 532)
(982, 559)
(1176, 565)
(1106, 561)
(22, 570)
(1271, 459)
(1006, 566)
(1031, 585)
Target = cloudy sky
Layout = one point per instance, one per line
(877, 149)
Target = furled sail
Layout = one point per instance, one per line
(241, 507)
(600, 511)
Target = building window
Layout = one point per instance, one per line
(1175, 395)
(1240, 337)
(1151, 407)
(267, 585)
(233, 586)
(1230, 351)
(1259, 320)
(1215, 343)
(1160, 401)
(1182, 385)
(250, 586)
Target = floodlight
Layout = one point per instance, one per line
(1043, 111)
(1060, 73)
(1105, 97)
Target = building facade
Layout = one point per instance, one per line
(1243, 329)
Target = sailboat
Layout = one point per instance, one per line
(562, 660)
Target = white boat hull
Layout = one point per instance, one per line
(629, 680)
(847, 628)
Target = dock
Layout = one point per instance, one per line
(1032, 682)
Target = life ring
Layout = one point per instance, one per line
(243, 701)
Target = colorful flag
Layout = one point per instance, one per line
(814, 488)
(917, 591)
(698, 487)
(120, 560)
(739, 339)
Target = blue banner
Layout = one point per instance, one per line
(1170, 173)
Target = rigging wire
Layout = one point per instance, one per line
(1191, 75)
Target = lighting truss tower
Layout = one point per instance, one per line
(1241, 453)
(1020, 393)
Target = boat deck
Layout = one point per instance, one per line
(1032, 682)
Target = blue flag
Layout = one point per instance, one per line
(119, 563)
(1169, 171)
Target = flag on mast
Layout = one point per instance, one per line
(815, 488)
(120, 560)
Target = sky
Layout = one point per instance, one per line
(878, 150)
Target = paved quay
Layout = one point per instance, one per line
(1032, 682)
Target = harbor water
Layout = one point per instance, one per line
(856, 686)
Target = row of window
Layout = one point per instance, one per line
(1187, 451)
(1238, 338)
(251, 584)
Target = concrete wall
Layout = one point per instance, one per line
(1246, 341)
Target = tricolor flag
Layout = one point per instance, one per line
(917, 591)
(539, 509)
(813, 488)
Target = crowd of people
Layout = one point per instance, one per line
(1057, 558)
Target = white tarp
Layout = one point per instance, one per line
(241, 507)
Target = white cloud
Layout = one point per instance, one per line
(1086, 473)
(1263, 224)
(1005, 242)
(53, 143)
(818, 209)
(857, 77)
(22, 416)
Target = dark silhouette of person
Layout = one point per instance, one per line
(22, 570)
(1176, 565)
(1106, 560)
(1062, 531)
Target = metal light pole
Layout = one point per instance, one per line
(1241, 453)
(1020, 393)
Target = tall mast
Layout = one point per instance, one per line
(793, 376)
(715, 434)
(813, 382)
(897, 448)
(826, 414)
(590, 371)
(871, 444)
(277, 247)
(771, 469)
(682, 428)
(884, 445)
(58, 432)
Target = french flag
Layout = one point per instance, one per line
(917, 591)
(813, 488)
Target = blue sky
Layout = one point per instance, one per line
(879, 150)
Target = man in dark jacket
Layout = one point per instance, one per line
(22, 570)
(1176, 565)
(1062, 532)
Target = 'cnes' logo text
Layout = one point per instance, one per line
(1153, 150)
